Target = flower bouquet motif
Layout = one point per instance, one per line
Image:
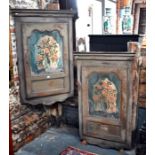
(48, 54)
(105, 95)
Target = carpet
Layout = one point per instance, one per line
(75, 151)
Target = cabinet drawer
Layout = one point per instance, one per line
(104, 131)
(46, 87)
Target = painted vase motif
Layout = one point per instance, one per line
(46, 52)
(49, 53)
(105, 92)
(104, 95)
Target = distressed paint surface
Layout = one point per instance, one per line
(102, 126)
(46, 52)
(104, 95)
(24, 4)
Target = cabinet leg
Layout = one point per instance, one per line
(84, 142)
(121, 151)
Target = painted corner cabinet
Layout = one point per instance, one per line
(45, 59)
(108, 91)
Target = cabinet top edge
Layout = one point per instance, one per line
(40, 12)
(113, 35)
(104, 53)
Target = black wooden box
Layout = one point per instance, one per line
(110, 42)
(70, 112)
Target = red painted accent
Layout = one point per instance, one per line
(72, 150)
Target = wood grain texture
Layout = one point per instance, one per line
(48, 87)
(103, 128)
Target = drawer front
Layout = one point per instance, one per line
(47, 87)
(104, 131)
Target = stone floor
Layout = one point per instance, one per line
(55, 140)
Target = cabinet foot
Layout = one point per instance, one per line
(84, 142)
(121, 151)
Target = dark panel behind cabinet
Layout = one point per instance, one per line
(71, 5)
(142, 21)
(110, 42)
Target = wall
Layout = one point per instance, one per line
(112, 5)
(90, 19)
(26, 124)
(121, 4)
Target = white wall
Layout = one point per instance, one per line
(95, 20)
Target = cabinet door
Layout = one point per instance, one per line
(45, 58)
(104, 100)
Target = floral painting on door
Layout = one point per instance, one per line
(46, 52)
(104, 95)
